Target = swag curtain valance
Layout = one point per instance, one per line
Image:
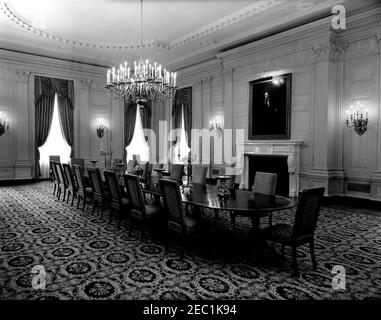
(45, 90)
(183, 101)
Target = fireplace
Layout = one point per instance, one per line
(288, 150)
(274, 164)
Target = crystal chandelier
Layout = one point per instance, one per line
(142, 82)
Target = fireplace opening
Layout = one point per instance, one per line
(274, 164)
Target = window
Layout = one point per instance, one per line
(181, 148)
(54, 145)
(138, 145)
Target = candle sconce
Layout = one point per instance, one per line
(4, 123)
(215, 126)
(101, 128)
(357, 118)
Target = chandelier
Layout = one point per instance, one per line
(142, 82)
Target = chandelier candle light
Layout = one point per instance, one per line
(142, 82)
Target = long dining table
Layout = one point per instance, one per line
(244, 202)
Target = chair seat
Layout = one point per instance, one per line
(151, 211)
(190, 223)
(279, 233)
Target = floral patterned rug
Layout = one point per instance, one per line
(85, 257)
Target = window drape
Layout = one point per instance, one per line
(43, 121)
(183, 100)
(129, 124)
(45, 89)
(146, 113)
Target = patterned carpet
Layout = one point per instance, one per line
(87, 258)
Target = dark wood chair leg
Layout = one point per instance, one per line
(78, 200)
(313, 257)
(130, 231)
(215, 216)
(54, 190)
(64, 196)
(271, 219)
(59, 193)
(72, 200)
(294, 260)
(84, 203)
(120, 219)
(111, 211)
(92, 211)
(68, 197)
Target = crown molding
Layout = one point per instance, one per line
(225, 22)
(50, 66)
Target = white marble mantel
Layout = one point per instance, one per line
(289, 148)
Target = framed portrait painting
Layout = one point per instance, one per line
(269, 109)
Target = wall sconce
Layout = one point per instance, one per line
(101, 128)
(357, 118)
(215, 126)
(4, 123)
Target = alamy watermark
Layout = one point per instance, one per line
(39, 280)
(339, 18)
(338, 280)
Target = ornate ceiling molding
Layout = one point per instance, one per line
(225, 22)
(12, 16)
(220, 24)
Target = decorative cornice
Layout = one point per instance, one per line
(22, 74)
(333, 51)
(225, 22)
(11, 15)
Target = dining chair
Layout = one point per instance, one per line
(176, 173)
(63, 181)
(199, 174)
(265, 183)
(118, 202)
(78, 161)
(177, 219)
(139, 209)
(303, 229)
(84, 192)
(131, 164)
(56, 159)
(55, 177)
(72, 183)
(115, 163)
(101, 196)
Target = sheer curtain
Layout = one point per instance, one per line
(55, 143)
(181, 147)
(138, 144)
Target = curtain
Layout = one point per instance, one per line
(67, 121)
(129, 124)
(43, 120)
(45, 89)
(183, 101)
(146, 113)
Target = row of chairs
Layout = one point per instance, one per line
(70, 181)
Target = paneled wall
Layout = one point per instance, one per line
(17, 146)
(330, 70)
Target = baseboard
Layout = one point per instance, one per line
(17, 182)
(353, 202)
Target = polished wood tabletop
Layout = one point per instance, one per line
(240, 200)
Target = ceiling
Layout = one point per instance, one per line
(176, 33)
